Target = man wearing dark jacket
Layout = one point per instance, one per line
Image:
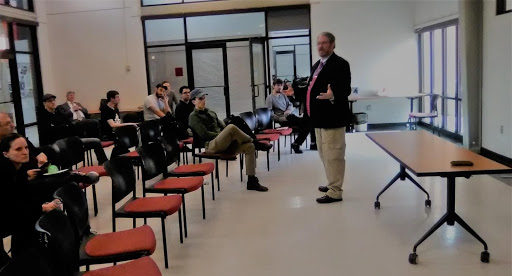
(327, 106)
(71, 110)
(52, 125)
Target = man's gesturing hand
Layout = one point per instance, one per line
(326, 96)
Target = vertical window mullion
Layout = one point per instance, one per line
(457, 109)
(444, 81)
(431, 53)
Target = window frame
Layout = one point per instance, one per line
(11, 56)
(180, 3)
(501, 7)
(30, 6)
(188, 43)
(445, 100)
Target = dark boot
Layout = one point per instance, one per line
(296, 148)
(259, 146)
(313, 146)
(90, 178)
(254, 184)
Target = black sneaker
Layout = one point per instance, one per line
(254, 184)
(90, 178)
(296, 149)
(328, 199)
(259, 146)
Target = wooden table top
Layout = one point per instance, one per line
(356, 97)
(425, 154)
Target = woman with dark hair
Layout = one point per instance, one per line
(22, 199)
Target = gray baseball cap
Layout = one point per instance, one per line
(47, 97)
(197, 93)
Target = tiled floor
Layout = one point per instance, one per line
(285, 232)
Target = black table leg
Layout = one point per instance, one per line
(450, 218)
(402, 175)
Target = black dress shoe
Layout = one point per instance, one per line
(313, 146)
(323, 189)
(328, 199)
(254, 184)
(296, 148)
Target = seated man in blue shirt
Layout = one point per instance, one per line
(282, 110)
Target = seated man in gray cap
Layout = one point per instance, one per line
(220, 138)
(52, 125)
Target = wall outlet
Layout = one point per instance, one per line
(501, 129)
(368, 107)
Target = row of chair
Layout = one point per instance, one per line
(160, 148)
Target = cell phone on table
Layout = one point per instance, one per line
(461, 163)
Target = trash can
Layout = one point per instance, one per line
(361, 121)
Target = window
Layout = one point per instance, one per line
(503, 6)
(19, 4)
(165, 31)
(170, 2)
(226, 26)
(439, 74)
(20, 86)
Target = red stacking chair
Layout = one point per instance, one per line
(103, 248)
(123, 183)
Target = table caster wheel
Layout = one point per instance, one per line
(412, 258)
(428, 203)
(484, 257)
(376, 205)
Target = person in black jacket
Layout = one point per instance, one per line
(327, 106)
(22, 199)
(71, 110)
(183, 110)
(52, 125)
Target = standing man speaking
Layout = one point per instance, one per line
(327, 106)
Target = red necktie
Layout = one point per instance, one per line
(311, 83)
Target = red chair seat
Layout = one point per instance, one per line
(284, 131)
(143, 266)
(100, 170)
(188, 140)
(167, 204)
(205, 168)
(132, 154)
(271, 137)
(189, 184)
(105, 144)
(133, 240)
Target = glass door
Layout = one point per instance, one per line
(258, 72)
(209, 72)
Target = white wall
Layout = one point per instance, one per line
(497, 81)
(92, 47)
(377, 38)
(428, 12)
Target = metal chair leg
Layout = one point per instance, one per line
(213, 186)
(164, 240)
(94, 200)
(202, 201)
(184, 215)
